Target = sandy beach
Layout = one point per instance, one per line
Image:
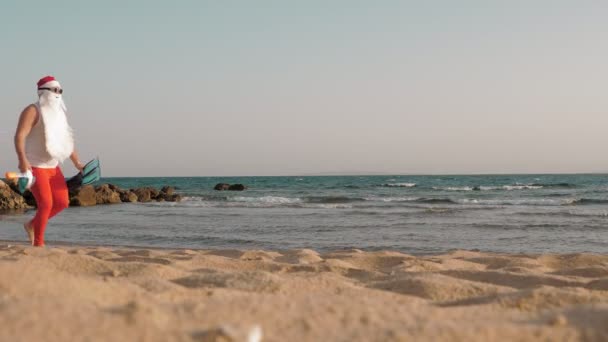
(112, 293)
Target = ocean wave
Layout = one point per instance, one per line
(587, 201)
(411, 199)
(564, 214)
(332, 199)
(532, 186)
(399, 185)
(187, 201)
(390, 199)
(363, 212)
(532, 202)
(267, 199)
(274, 200)
(554, 185)
(511, 187)
(455, 188)
(437, 201)
(521, 187)
(557, 195)
(490, 187)
(260, 202)
(205, 197)
(328, 206)
(197, 199)
(344, 202)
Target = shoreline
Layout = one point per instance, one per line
(104, 293)
(67, 244)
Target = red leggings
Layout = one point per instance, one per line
(51, 194)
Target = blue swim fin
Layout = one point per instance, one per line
(90, 174)
(93, 176)
(90, 166)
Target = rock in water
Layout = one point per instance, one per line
(127, 196)
(143, 194)
(154, 193)
(88, 195)
(169, 190)
(169, 198)
(27, 194)
(10, 199)
(105, 194)
(84, 196)
(221, 186)
(173, 198)
(237, 187)
(233, 187)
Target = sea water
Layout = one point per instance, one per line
(412, 214)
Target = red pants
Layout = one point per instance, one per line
(51, 194)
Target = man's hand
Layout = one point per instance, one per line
(79, 166)
(76, 160)
(24, 165)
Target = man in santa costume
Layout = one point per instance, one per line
(43, 140)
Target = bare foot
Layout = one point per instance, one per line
(30, 231)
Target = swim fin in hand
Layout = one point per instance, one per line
(90, 174)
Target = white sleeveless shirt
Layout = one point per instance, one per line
(35, 146)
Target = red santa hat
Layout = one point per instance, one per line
(48, 82)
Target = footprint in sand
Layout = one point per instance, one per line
(514, 280)
(142, 259)
(256, 281)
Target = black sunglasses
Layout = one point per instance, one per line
(54, 90)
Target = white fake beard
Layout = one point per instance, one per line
(57, 131)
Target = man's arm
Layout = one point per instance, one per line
(76, 160)
(27, 120)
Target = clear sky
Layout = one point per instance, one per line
(198, 88)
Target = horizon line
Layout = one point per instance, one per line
(328, 174)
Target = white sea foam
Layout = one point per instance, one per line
(511, 187)
(187, 201)
(239, 201)
(454, 188)
(276, 201)
(538, 201)
(192, 199)
(400, 185)
(251, 202)
(522, 187)
(490, 188)
(391, 199)
(329, 206)
(267, 199)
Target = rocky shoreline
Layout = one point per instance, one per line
(89, 195)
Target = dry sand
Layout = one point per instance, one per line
(121, 294)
